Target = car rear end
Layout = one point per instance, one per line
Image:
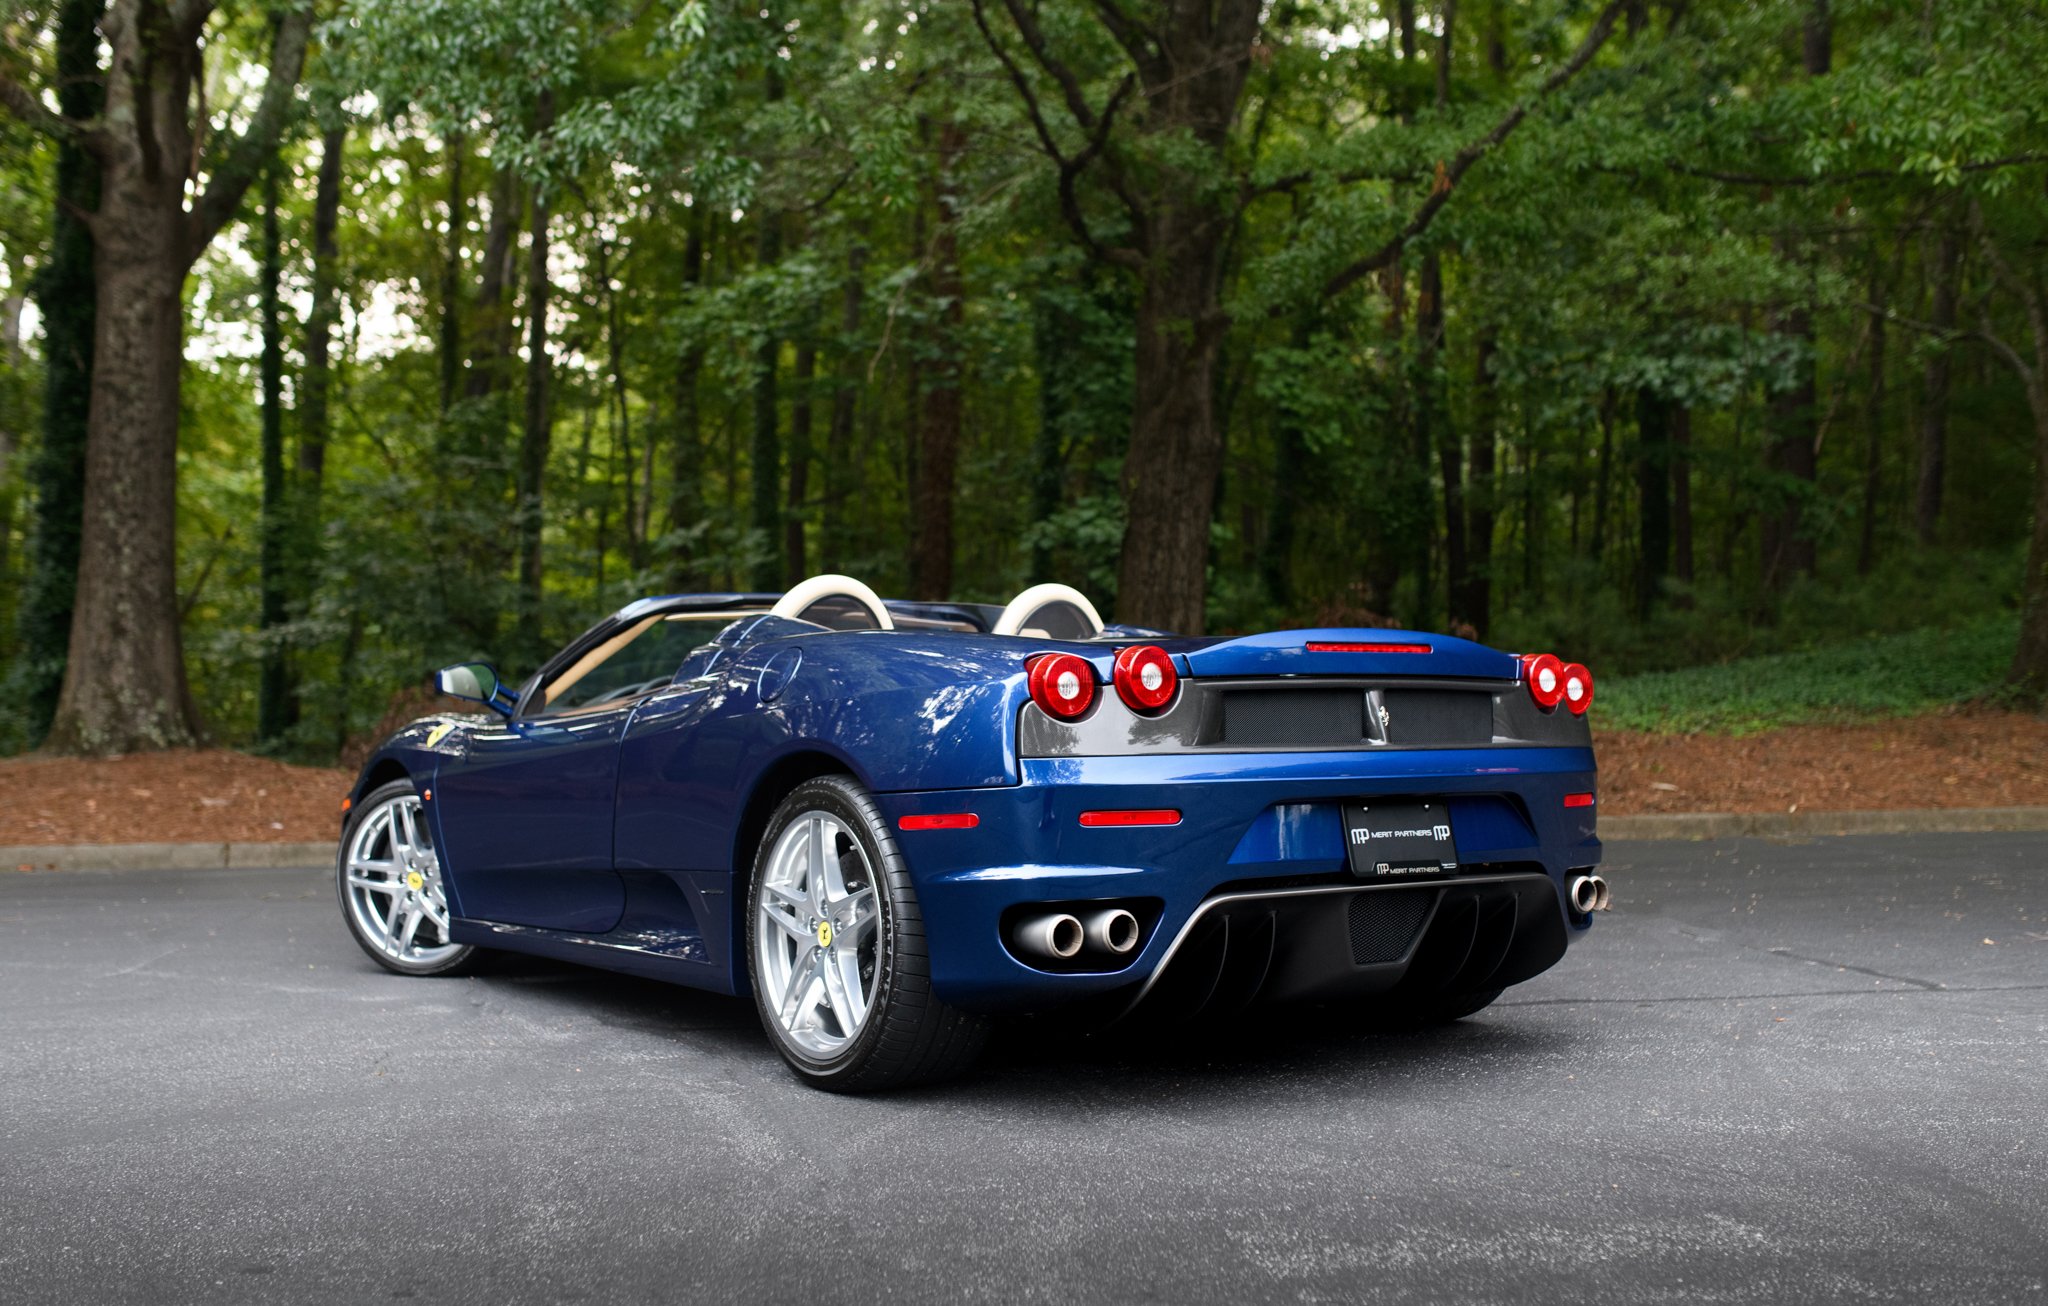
(1305, 815)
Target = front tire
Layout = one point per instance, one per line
(836, 949)
(388, 876)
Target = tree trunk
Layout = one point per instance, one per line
(767, 445)
(476, 461)
(1681, 499)
(2028, 676)
(1436, 426)
(490, 345)
(124, 682)
(315, 421)
(11, 409)
(1288, 474)
(767, 451)
(794, 551)
(1947, 267)
(941, 414)
(534, 440)
(1431, 410)
(1817, 44)
(1532, 519)
(1793, 449)
(1192, 81)
(845, 408)
(1480, 504)
(1873, 447)
(451, 260)
(2029, 673)
(622, 422)
(1603, 477)
(686, 441)
(65, 297)
(1170, 471)
(316, 426)
(274, 700)
(1791, 455)
(1653, 489)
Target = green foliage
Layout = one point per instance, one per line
(1859, 680)
(1657, 228)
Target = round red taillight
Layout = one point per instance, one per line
(1545, 675)
(1062, 684)
(1145, 678)
(1578, 689)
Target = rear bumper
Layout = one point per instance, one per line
(1251, 823)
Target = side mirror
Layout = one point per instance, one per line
(476, 681)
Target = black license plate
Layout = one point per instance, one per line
(1404, 840)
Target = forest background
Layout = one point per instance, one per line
(343, 340)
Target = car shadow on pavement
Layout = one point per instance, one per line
(1294, 1050)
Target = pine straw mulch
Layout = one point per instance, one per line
(1961, 758)
(189, 796)
(1954, 759)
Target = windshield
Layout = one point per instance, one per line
(634, 661)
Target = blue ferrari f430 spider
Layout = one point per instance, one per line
(890, 822)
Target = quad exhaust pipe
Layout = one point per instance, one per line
(1108, 933)
(1049, 936)
(1112, 930)
(1588, 893)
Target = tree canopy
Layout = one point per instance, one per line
(1653, 331)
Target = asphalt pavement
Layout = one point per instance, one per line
(1777, 1072)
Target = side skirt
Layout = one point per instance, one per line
(673, 955)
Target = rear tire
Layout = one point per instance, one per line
(836, 949)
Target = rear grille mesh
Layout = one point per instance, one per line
(1293, 717)
(1384, 923)
(1333, 717)
(1440, 717)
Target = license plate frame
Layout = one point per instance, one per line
(1400, 839)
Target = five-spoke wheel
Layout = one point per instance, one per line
(817, 943)
(390, 885)
(836, 942)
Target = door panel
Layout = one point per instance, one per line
(664, 779)
(527, 816)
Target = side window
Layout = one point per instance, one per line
(636, 661)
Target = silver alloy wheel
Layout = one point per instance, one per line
(394, 884)
(817, 942)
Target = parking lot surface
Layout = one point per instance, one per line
(1812, 1072)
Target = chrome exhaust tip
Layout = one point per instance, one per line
(1587, 894)
(1054, 936)
(1113, 930)
(1606, 895)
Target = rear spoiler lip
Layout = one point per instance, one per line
(1288, 653)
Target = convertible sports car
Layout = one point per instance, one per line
(890, 822)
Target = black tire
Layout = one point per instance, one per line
(909, 1036)
(456, 962)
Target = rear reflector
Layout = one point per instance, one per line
(939, 821)
(1137, 816)
(1324, 646)
(1578, 800)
